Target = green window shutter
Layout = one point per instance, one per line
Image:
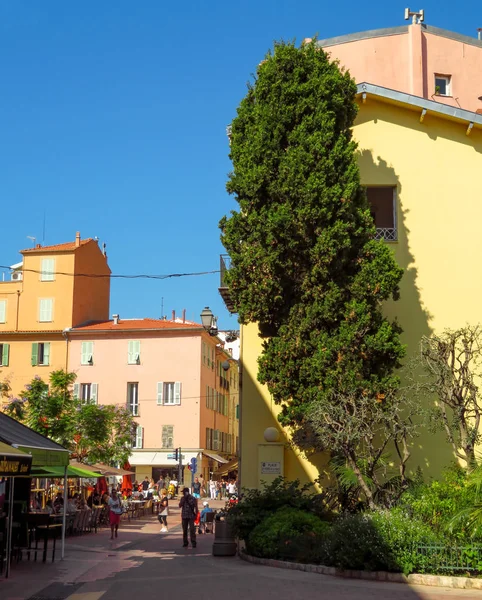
(34, 360)
(177, 392)
(204, 352)
(237, 411)
(5, 354)
(207, 396)
(94, 390)
(76, 390)
(46, 353)
(160, 389)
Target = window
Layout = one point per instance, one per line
(86, 392)
(382, 201)
(443, 85)
(133, 398)
(47, 269)
(169, 393)
(45, 310)
(133, 352)
(168, 436)
(216, 437)
(87, 353)
(138, 441)
(237, 411)
(3, 311)
(4, 354)
(41, 354)
(209, 438)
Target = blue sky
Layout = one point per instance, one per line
(113, 118)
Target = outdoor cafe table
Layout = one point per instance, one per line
(135, 505)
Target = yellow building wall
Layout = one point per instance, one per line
(435, 167)
(19, 371)
(91, 295)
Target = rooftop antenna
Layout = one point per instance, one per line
(162, 307)
(29, 237)
(417, 17)
(43, 230)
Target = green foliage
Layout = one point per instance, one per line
(304, 264)
(92, 433)
(381, 541)
(256, 505)
(289, 534)
(438, 502)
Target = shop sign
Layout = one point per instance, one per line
(271, 468)
(14, 465)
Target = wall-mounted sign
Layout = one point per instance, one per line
(271, 468)
(14, 465)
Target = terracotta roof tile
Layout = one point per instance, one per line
(136, 324)
(68, 246)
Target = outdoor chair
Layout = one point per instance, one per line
(76, 523)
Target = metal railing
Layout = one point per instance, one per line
(451, 558)
(225, 262)
(388, 234)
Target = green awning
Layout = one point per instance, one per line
(59, 472)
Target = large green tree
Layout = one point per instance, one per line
(92, 433)
(304, 262)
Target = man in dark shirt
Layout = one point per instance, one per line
(189, 510)
(145, 486)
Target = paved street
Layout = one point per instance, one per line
(145, 564)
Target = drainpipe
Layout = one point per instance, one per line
(65, 333)
(18, 308)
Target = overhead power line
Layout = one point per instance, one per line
(113, 276)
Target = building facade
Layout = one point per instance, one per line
(51, 289)
(178, 382)
(419, 160)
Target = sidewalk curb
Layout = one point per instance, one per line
(461, 583)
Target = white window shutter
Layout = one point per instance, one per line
(94, 390)
(46, 353)
(160, 389)
(130, 352)
(47, 269)
(177, 392)
(139, 436)
(3, 311)
(46, 310)
(87, 353)
(76, 390)
(137, 351)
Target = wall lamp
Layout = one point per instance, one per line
(209, 321)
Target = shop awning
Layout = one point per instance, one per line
(162, 458)
(72, 471)
(108, 471)
(227, 468)
(14, 462)
(44, 452)
(216, 457)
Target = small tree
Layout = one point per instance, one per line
(452, 361)
(304, 262)
(92, 432)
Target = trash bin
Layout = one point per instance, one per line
(224, 543)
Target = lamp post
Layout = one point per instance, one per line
(209, 321)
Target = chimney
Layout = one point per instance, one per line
(183, 315)
(38, 246)
(173, 315)
(77, 239)
(116, 319)
(479, 33)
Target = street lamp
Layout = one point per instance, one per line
(209, 321)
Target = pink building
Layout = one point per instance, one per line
(177, 380)
(417, 59)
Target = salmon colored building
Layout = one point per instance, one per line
(418, 59)
(178, 382)
(51, 289)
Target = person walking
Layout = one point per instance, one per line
(145, 486)
(115, 511)
(189, 510)
(196, 488)
(212, 489)
(164, 510)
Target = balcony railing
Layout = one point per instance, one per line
(224, 265)
(389, 234)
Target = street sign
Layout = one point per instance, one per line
(173, 456)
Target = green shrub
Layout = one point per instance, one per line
(256, 505)
(437, 502)
(289, 534)
(382, 541)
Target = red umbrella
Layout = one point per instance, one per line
(126, 479)
(101, 485)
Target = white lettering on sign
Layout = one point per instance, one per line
(271, 468)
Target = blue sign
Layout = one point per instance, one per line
(193, 465)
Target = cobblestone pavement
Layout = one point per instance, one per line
(143, 563)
